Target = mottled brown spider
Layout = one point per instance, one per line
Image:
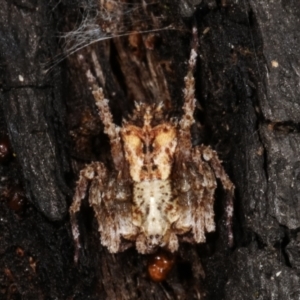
(162, 189)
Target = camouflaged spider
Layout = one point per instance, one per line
(161, 190)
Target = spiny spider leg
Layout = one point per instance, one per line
(110, 128)
(187, 119)
(207, 198)
(212, 158)
(189, 91)
(86, 175)
(111, 201)
(108, 192)
(201, 210)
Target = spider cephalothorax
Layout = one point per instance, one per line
(162, 188)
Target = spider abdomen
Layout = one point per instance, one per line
(154, 210)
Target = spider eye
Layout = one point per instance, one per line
(154, 240)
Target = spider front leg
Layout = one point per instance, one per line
(111, 129)
(187, 120)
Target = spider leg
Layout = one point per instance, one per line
(195, 188)
(209, 186)
(196, 184)
(110, 196)
(212, 158)
(197, 181)
(110, 128)
(86, 175)
(187, 119)
(189, 90)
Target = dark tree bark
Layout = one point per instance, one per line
(247, 87)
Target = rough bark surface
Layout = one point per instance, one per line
(247, 86)
(32, 103)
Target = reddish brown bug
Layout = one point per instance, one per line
(159, 265)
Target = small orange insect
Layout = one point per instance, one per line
(159, 265)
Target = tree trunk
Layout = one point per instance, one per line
(248, 111)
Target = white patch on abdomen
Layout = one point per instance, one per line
(154, 209)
